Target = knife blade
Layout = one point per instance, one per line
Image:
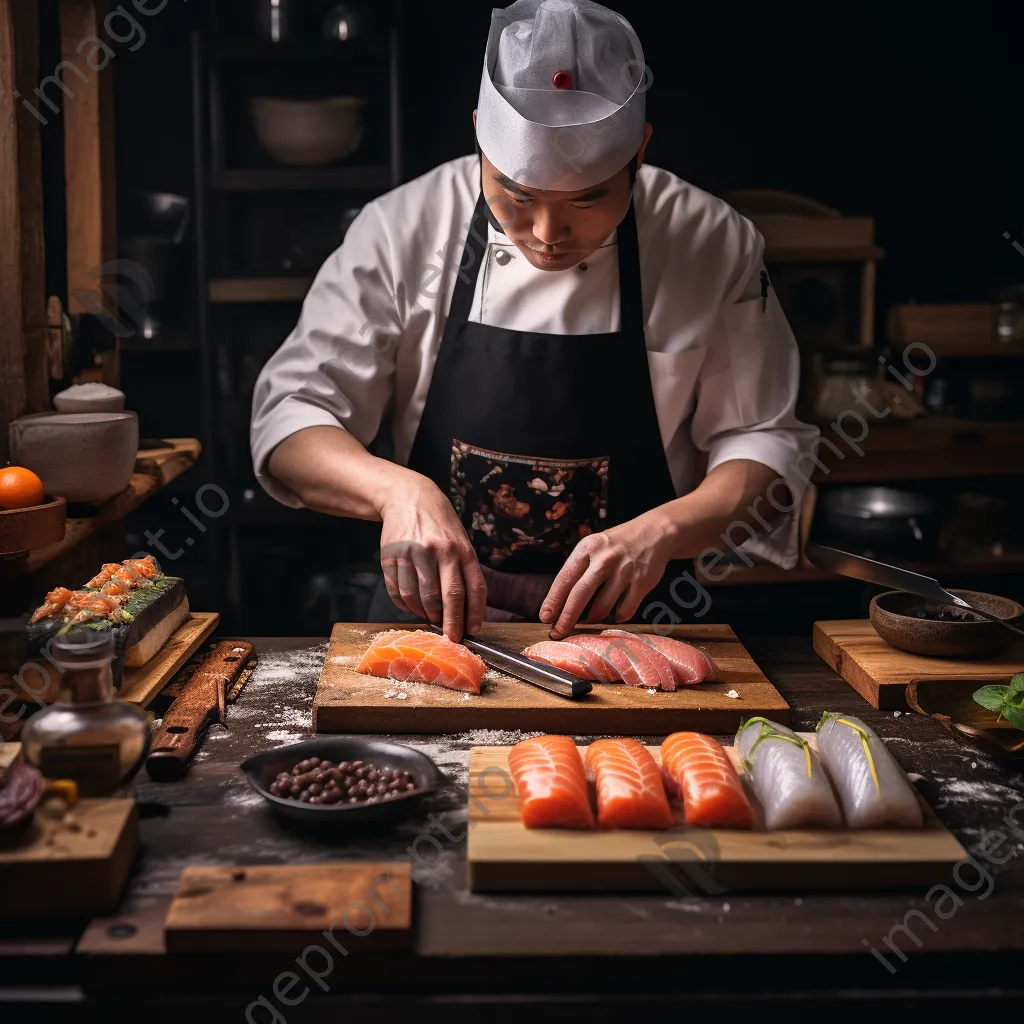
(202, 700)
(536, 673)
(860, 568)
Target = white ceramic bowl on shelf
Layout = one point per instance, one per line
(309, 133)
(89, 398)
(80, 456)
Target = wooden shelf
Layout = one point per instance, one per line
(259, 289)
(765, 574)
(303, 50)
(302, 179)
(922, 449)
(965, 330)
(822, 254)
(154, 469)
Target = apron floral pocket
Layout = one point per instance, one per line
(515, 503)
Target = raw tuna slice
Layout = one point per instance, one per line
(636, 663)
(578, 660)
(630, 793)
(548, 775)
(689, 664)
(417, 656)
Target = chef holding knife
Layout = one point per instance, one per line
(556, 330)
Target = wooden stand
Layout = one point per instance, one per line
(72, 865)
(880, 673)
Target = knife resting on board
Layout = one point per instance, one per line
(537, 673)
(202, 700)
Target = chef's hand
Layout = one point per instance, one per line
(614, 569)
(430, 568)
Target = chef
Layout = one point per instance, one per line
(558, 333)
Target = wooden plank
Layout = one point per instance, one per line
(503, 856)
(947, 329)
(784, 231)
(259, 289)
(140, 685)
(167, 464)
(368, 907)
(88, 854)
(88, 166)
(348, 701)
(23, 369)
(880, 673)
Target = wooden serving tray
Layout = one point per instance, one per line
(348, 701)
(881, 673)
(503, 856)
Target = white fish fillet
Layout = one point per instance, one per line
(787, 777)
(872, 787)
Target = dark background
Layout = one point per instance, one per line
(908, 113)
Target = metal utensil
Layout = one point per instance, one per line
(536, 673)
(859, 568)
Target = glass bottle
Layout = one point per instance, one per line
(86, 734)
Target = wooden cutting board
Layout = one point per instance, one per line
(68, 866)
(880, 673)
(366, 906)
(503, 856)
(348, 701)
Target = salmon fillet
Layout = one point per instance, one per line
(699, 775)
(548, 775)
(630, 793)
(417, 656)
(578, 660)
(636, 663)
(689, 664)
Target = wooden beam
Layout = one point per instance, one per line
(88, 164)
(23, 374)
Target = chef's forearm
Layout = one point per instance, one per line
(330, 471)
(697, 520)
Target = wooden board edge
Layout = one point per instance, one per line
(836, 657)
(141, 685)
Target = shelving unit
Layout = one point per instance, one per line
(250, 213)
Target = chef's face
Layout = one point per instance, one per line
(557, 230)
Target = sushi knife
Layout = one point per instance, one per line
(860, 568)
(202, 700)
(536, 673)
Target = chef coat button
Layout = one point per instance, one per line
(502, 258)
(583, 266)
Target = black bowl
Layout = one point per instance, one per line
(262, 769)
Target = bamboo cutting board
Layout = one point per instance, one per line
(348, 701)
(503, 856)
(880, 673)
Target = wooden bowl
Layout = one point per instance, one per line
(22, 529)
(943, 639)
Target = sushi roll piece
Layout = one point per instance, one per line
(786, 776)
(872, 787)
(133, 599)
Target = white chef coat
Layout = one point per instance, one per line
(724, 370)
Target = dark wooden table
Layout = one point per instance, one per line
(566, 957)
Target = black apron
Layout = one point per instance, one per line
(540, 439)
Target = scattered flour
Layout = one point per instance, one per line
(652, 691)
(733, 693)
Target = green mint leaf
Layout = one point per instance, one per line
(1015, 716)
(1017, 685)
(992, 697)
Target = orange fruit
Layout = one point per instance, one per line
(19, 488)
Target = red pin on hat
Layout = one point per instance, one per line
(562, 80)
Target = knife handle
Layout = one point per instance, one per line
(179, 734)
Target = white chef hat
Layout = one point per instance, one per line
(562, 98)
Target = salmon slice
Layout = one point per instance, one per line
(630, 793)
(549, 779)
(636, 664)
(578, 660)
(699, 775)
(417, 656)
(689, 664)
(652, 656)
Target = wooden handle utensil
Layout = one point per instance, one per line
(202, 700)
